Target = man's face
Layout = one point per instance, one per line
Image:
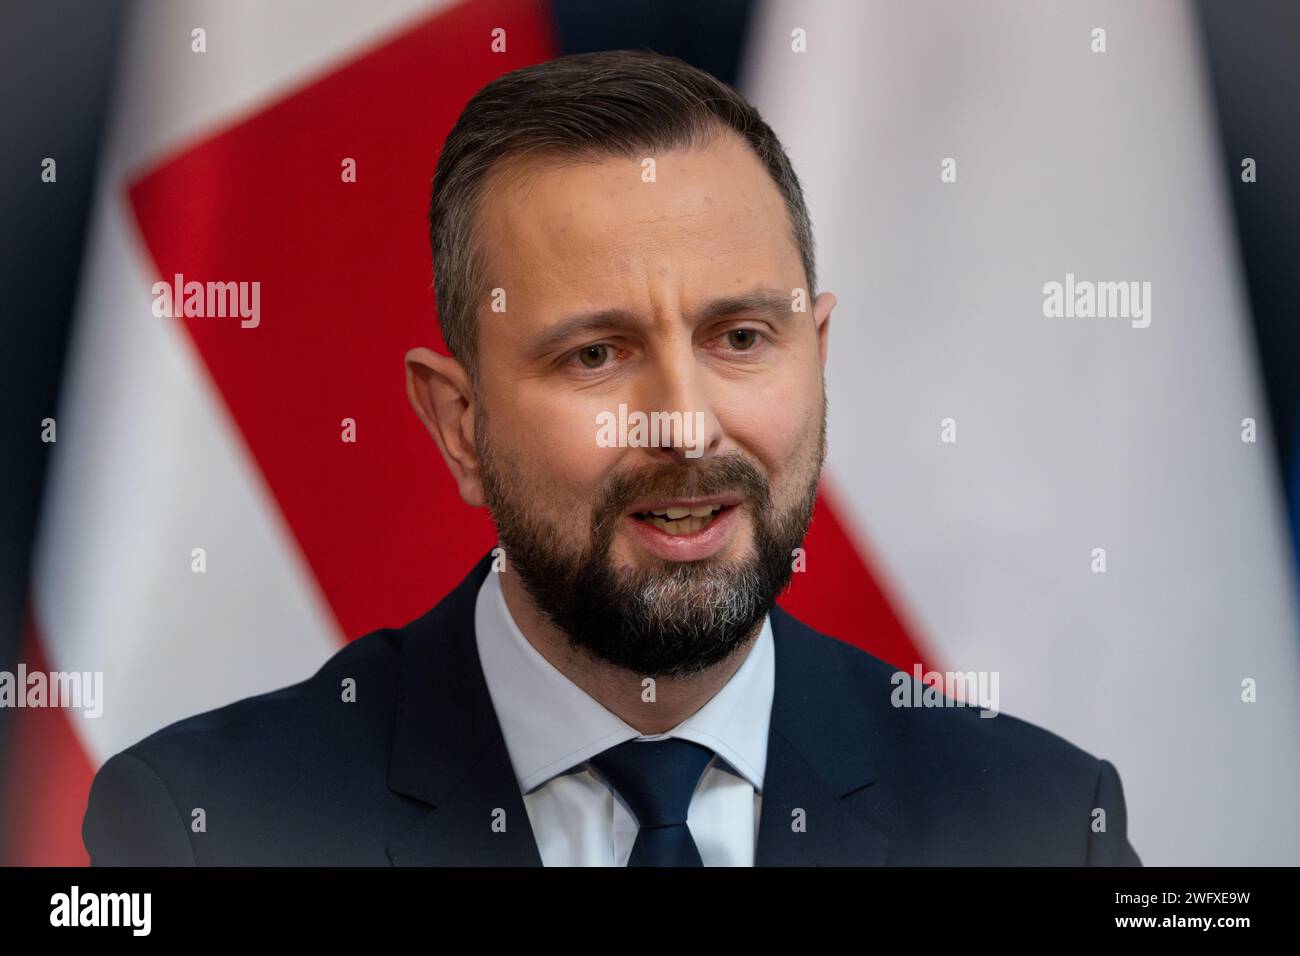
(671, 295)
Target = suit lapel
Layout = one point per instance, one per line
(448, 751)
(821, 783)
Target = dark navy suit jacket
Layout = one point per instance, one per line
(415, 770)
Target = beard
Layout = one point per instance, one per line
(672, 618)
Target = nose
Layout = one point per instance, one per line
(678, 390)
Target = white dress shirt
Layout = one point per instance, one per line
(551, 727)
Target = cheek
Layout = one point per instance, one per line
(554, 445)
(775, 424)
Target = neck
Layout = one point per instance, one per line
(617, 689)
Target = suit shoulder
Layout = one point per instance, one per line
(339, 715)
(960, 783)
(373, 655)
(281, 761)
(958, 734)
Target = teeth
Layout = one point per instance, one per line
(699, 511)
(686, 523)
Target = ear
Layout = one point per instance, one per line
(822, 307)
(441, 394)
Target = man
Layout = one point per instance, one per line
(617, 238)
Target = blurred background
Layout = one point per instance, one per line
(956, 157)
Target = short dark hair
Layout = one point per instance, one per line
(612, 103)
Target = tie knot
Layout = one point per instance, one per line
(655, 778)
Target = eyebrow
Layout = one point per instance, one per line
(771, 303)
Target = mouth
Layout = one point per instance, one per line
(681, 521)
(683, 517)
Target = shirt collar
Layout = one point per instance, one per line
(551, 725)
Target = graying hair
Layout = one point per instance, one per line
(576, 108)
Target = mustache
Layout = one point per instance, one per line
(724, 474)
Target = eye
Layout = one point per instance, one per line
(592, 356)
(743, 340)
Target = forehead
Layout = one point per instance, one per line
(569, 234)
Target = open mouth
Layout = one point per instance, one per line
(681, 521)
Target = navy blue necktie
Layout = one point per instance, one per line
(656, 779)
